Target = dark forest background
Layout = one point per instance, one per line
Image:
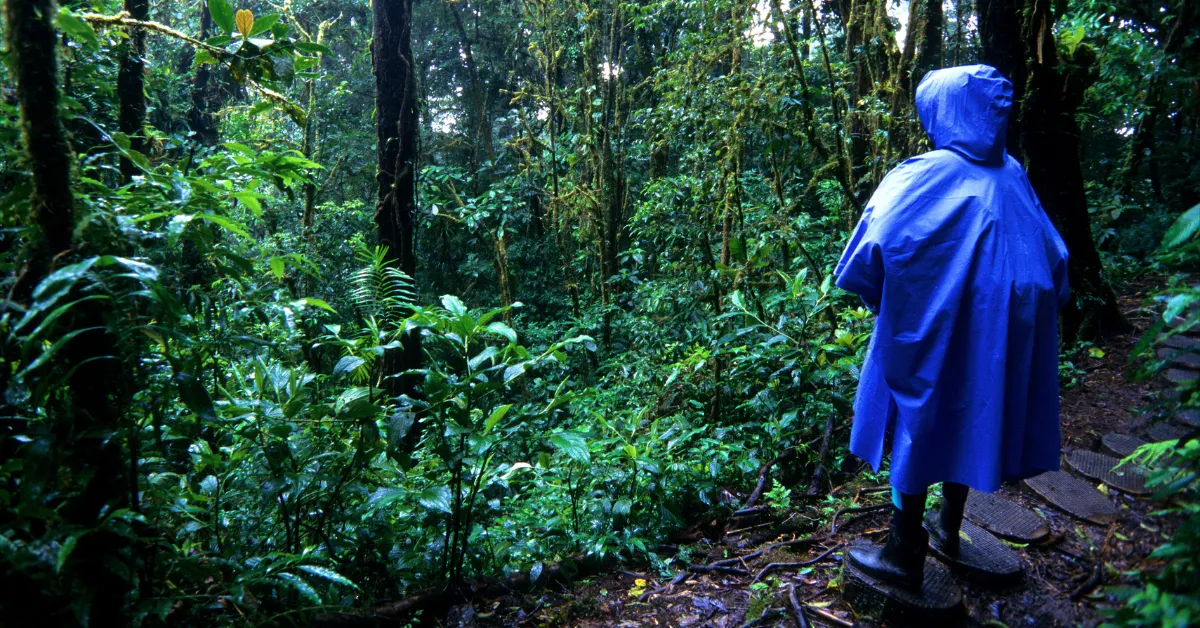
(312, 304)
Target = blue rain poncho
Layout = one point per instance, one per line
(966, 273)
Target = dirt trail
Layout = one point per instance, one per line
(1063, 575)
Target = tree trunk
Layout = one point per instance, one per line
(396, 146)
(131, 118)
(1004, 49)
(88, 429)
(1051, 139)
(200, 120)
(929, 50)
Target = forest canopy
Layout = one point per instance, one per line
(313, 305)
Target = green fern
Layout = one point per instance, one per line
(381, 290)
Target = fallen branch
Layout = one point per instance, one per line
(1090, 583)
(804, 563)
(819, 473)
(797, 608)
(762, 477)
(733, 571)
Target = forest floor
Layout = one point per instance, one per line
(1063, 580)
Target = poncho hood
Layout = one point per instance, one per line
(965, 109)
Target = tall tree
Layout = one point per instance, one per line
(93, 459)
(200, 119)
(1045, 134)
(131, 118)
(396, 146)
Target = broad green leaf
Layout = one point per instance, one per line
(241, 148)
(314, 302)
(64, 552)
(222, 15)
(454, 305)
(384, 496)
(327, 574)
(514, 372)
(301, 585)
(347, 364)
(1183, 229)
(77, 28)
(308, 46)
(503, 330)
(573, 444)
(61, 281)
(195, 396)
(276, 264)
(228, 224)
(482, 357)
(264, 24)
(436, 498)
(495, 417)
(250, 200)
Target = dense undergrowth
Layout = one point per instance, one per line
(200, 423)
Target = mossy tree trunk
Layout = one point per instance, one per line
(396, 127)
(131, 117)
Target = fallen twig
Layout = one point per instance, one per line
(803, 563)
(797, 608)
(733, 571)
(827, 616)
(857, 509)
(679, 578)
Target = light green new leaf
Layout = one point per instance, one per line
(495, 417)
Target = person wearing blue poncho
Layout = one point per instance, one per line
(967, 274)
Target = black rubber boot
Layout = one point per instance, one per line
(900, 562)
(944, 526)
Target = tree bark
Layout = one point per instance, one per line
(200, 120)
(396, 147)
(1004, 49)
(1050, 136)
(131, 117)
(87, 428)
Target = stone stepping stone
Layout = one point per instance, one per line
(1185, 359)
(1074, 496)
(1005, 518)
(982, 558)
(1188, 416)
(1181, 342)
(1160, 432)
(1181, 376)
(940, 599)
(1129, 478)
(1120, 445)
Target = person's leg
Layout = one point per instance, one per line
(949, 520)
(901, 561)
